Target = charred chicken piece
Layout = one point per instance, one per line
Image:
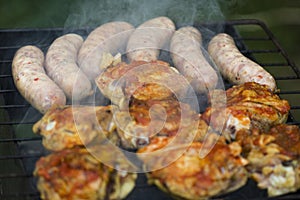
(76, 174)
(248, 106)
(69, 126)
(141, 80)
(192, 177)
(152, 118)
(273, 158)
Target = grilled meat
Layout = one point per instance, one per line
(76, 174)
(69, 126)
(248, 106)
(147, 119)
(273, 158)
(192, 177)
(234, 66)
(141, 80)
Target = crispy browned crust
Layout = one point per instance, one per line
(139, 110)
(166, 120)
(273, 157)
(69, 126)
(248, 106)
(141, 80)
(76, 174)
(192, 177)
(287, 137)
(255, 92)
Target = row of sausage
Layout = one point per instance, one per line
(71, 64)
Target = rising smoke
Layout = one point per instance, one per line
(184, 12)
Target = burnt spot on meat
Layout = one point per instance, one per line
(110, 185)
(287, 163)
(140, 142)
(69, 131)
(232, 130)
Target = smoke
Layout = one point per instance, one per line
(96, 12)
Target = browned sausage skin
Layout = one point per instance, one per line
(146, 41)
(32, 82)
(62, 68)
(110, 38)
(187, 56)
(234, 66)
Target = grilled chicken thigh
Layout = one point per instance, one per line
(151, 99)
(148, 119)
(247, 106)
(141, 80)
(76, 174)
(69, 126)
(273, 158)
(192, 177)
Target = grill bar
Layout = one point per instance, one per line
(15, 106)
(7, 91)
(16, 135)
(261, 51)
(20, 139)
(5, 76)
(6, 176)
(16, 123)
(7, 157)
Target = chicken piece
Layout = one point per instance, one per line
(69, 126)
(192, 177)
(77, 174)
(273, 158)
(141, 80)
(287, 137)
(248, 106)
(147, 119)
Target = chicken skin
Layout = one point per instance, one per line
(73, 174)
(147, 119)
(69, 126)
(141, 80)
(273, 158)
(246, 106)
(192, 177)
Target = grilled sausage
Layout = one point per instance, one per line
(62, 68)
(234, 66)
(32, 82)
(110, 38)
(186, 53)
(146, 41)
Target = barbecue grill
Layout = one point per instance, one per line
(20, 148)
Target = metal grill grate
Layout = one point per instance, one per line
(20, 148)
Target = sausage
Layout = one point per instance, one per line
(147, 39)
(187, 56)
(110, 38)
(32, 82)
(62, 68)
(234, 66)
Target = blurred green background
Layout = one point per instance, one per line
(282, 17)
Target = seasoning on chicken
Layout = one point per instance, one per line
(69, 126)
(273, 158)
(77, 174)
(248, 106)
(147, 119)
(141, 80)
(192, 177)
